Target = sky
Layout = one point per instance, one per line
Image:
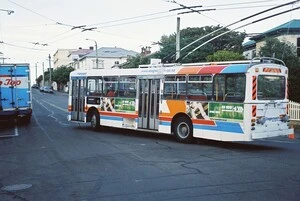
(37, 28)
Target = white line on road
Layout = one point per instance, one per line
(61, 109)
(16, 130)
(41, 127)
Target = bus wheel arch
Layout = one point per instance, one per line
(93, 117)
(182, 128)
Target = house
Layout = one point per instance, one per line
(60, 58)
(74, 56)
(108, 57)
(287, 32)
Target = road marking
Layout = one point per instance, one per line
(61, 109)
(41, 127)
(16, 131)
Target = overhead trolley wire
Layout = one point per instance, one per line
(253, 22)
(236, 22)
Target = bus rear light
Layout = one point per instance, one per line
(253, 122)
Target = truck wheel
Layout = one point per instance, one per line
(95, 121)
(183, 130)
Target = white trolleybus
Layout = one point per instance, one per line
(237, 101)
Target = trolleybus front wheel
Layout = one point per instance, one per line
(183, 130)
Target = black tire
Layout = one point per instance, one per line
(95, 121)
(183, 130)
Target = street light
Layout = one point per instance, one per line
(96, 51)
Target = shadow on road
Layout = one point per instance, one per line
(242, 146)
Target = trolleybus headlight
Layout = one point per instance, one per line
(261, 120)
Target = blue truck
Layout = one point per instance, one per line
(15, 92)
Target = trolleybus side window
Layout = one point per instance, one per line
(271, 87)
(175, 87)
(127, 87)
(229, 87)
(94, 85)
(199, 87)
(110, 86)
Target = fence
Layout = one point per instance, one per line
(294, 111)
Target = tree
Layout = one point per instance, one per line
(134, 62)
(286, 52)
(229, 42)
(61, 75)
(39, 80)
(223, 55)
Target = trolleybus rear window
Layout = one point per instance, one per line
(271, 87)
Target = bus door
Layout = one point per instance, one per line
(78, 95)
(148, 103)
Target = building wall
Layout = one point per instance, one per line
(107, 63)
(61, 58)
(249, 54)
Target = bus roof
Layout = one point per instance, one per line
(174, 70)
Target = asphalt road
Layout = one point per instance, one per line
(56, 160)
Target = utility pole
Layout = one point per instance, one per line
(96, 46)
(178, 39)
(50, 70)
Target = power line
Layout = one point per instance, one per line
(236, 22)
(32, 11)
(253, 22)
(28, 48)
(137, 21)
(129, 18)
(240, 3)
